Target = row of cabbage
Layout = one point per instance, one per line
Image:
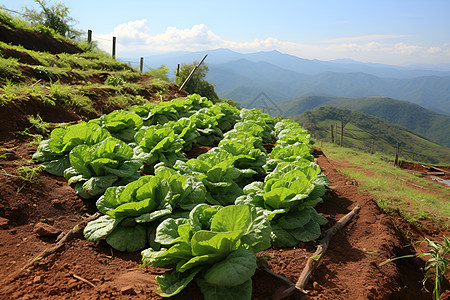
(208, 215)
(110, 150)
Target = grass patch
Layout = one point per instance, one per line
(125, 100)
(393, 188)
(9, 69)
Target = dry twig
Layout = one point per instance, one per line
(315, 260)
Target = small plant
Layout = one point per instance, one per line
(39, 125)
(114, 80)
(9, 68)
(437, 264)
(29, 173)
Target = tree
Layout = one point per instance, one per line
(197, 84)
(160, 73)
(55, 17)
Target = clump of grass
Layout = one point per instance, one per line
(39, 125)
(60, 92)
(115, 80)
(82, 102)
(30, 174)
(123, 100)
(12, 22)
(78, 62)
(437, 265)
(160, 84)
(70, 96)
(9, 69)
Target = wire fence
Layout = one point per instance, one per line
(373, 147)
(103, 43)
(2, 7)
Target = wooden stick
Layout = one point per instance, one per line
(191, 74)
(314, 261)
(83, 279)
(282, 278)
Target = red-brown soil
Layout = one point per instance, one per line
(349, 269)
(429, 172)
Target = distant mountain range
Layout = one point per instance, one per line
(242, 77)
(296, 64)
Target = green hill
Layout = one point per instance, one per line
(372, 134)
(432, 125)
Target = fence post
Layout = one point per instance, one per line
(141, 66)
(178, 70)
(396, 156)
(114, 48)
(342, 130)
(335, 131)
(332, 134)
(89, 36)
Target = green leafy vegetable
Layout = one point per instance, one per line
(95, 168)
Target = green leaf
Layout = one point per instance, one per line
(201, 216)
(97, 185)
(238, 267)
(309, 232)
(173, 255)
(295, 219)
(57, 166)
(128, 239)
(252, 223)
(282, 238)
(213, 292)
(100, 228)
(167, 231)
(209, 242)
(171, 284)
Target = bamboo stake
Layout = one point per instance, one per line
(314, 261)
(192, 73)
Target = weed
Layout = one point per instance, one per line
(83, 102)
(39, 125)
(5, 155)
(437, 264)
(123, 101)
(114, 80)
(29, 174)
(9, 68)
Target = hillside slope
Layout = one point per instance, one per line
(432, 125)
(371, 134)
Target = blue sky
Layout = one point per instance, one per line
(400, 32)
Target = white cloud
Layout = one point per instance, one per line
(434, 50)
(363, 38)
(134, 37)
(404, 49)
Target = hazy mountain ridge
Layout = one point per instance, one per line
(243, 76)
(297, 64)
